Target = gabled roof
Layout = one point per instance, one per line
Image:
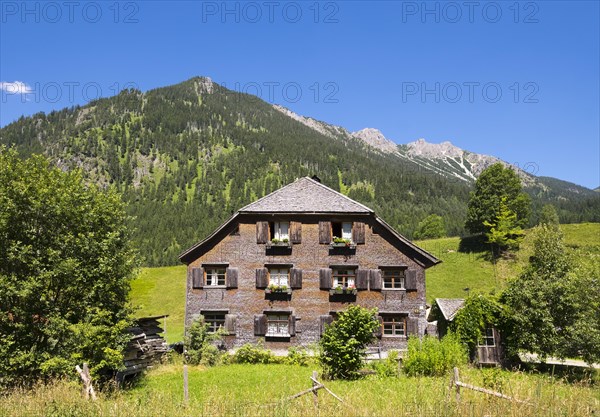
(306, 195)
(450, 306)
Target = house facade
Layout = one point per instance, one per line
(281, 268)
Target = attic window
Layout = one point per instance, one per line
(279, 230)
(342, 229)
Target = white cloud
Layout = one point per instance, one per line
(17, 87)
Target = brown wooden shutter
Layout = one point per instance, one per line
(325, 232)
(262, 232)
(260, 325)
(292, 328)
(262, 280)
(231, 277)
(362, 279)
(375, 279)
(197, 277)
(324, 320)
(412, 325)
(230, 321)
(358, 233)
(379, 330)
(410, 279)
(296, 278)
(325, 278)
(295, 232)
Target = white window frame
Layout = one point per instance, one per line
(281, 230)
(279, 276)
(278, 325)
(215, 323)
(401, 278)
(348, 273)
(213, 275)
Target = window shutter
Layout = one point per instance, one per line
(230, 321)
(295, 232)
(292, 328)
(362, 279)
(231, 277)
(261, 278)
(375, 279)
(358, 233)
(262, 232)
(323, 321)
(411, 279)
(412, 326)
(296, 278)
(325, 278)
(197, 277)
(379, 330)
(324, 232)
(260, 325)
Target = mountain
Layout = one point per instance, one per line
(186, 156)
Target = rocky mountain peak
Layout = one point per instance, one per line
(375, 138)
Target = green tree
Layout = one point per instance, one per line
(431, 227)
(199, 343)
(504, 231)
(552, 307)
(65, 266)
(549, 216)
(343, 343)
(494, 183)
(478, 312)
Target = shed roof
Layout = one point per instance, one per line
(305, 195)
(450, 306)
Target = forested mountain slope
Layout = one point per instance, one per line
(187, 156)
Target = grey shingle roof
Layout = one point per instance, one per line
(449, 306)
(305, 195)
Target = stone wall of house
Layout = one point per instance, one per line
(238, 248)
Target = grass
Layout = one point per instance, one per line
(162, 290)
(158, 291)
(260, 390)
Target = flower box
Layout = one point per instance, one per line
(278, 291)
(278, 244)
(343, 291)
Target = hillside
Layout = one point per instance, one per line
(186, 156)
(162, 290)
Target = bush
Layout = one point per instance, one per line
(199, 344)
(432, 357)
(343, 343)
(253, 354)
(298, 356)
(387, 367)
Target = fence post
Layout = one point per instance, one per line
(185, 384)
(315, 392)
(456, 379)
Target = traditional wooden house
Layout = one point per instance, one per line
(489, 351)
(282, 267)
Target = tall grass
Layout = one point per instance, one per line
(260, 390)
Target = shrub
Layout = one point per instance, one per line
(432, 357)
(253, 354)
(298, 356)
(343, 343)
(199, 344)
(387, 367)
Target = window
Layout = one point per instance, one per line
(393, 278)
(215, 276)
(343, 277)
(280, 230)
(394, 325)
(278, 325)
(214, 320)
(279, 276)
(488, 337)
(342, 229)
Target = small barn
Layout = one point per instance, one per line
(490, 351)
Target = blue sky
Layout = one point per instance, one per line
(520, 81)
